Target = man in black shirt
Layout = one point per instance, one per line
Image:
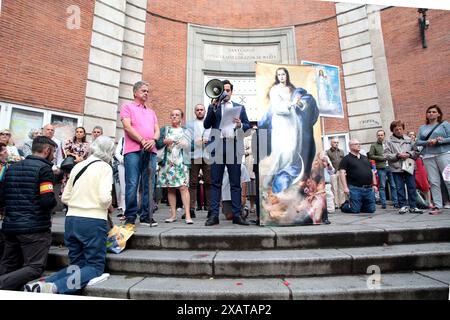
(358, 180)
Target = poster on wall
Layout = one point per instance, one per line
(328, 90)
(291, 170)
(64, 127)
(22, 121)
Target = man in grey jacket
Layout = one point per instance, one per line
(398, 149)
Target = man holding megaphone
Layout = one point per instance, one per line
(226, 146)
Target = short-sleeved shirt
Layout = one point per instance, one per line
(359, 171)
(143, 120)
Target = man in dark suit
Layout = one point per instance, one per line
(227, 147)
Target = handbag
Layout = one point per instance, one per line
(68, 163)
(160, 154)
(408, 165)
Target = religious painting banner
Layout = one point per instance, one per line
(291, 166)
(328, 95)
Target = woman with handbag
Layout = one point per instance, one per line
(78, 149)
(174, 171)
(434, 136)
(400, 151)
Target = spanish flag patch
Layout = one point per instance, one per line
(45, 187)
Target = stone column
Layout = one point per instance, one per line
(366, 78)
(115, 61)
(133, 53)
(105, 58)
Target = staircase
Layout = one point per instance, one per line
(179, 261)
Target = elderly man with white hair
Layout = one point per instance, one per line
(336, 155)
(358, 180)
(49, 131)
(88, 196)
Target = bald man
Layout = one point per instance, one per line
(358, 180)
(49, 131)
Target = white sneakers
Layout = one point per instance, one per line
(416, 210)
(403, 210)
(406, 209)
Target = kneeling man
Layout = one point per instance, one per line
(359, 181)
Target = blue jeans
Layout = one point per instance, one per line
(86, 240)
(384, 174)
(361, 200)
(139, 166)
(402, 179)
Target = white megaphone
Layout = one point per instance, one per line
(214, 88)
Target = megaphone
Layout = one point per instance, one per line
(214, 88)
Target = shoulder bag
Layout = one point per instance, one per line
(83, 170)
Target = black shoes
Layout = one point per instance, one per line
(212, 221)
(241, 221)
(192, 211)
(149, 222)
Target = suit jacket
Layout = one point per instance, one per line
(212, 120)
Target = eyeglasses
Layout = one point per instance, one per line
(5, 134)
(175, 115)
(227, 90)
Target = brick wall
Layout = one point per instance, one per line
(418, 77)
(165, 65)
(166, 41)
(43, 63)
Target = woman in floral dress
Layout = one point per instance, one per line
(77, 147)
(174, 171)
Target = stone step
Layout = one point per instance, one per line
(231, 237)
(276, 263)
(401, 286)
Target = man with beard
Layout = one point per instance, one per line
(200, 137)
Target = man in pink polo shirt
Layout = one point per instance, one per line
(141, 131)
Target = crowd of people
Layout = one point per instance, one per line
(412, 166)
(175, 157)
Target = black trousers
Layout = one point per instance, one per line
(24, 259)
